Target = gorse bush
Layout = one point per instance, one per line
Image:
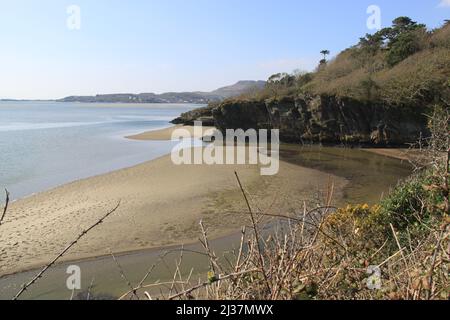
(414, 202)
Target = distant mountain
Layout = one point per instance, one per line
(181, 97)
(220, 94)
(239, 88)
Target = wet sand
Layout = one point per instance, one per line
(166, 134)
(400, 154)
(161, 205)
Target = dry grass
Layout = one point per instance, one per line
(421, 77)
(365, 75)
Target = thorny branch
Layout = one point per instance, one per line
(5, 208)
(26, 286)
(257, 236)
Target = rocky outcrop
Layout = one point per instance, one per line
(329, 120)
(201, 114)
(322, 119)
(242, 115)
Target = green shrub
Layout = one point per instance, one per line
(411, 203)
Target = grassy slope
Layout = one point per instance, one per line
(420, 79)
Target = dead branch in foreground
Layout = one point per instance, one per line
(150, 270)
(324, 253)
(253, 260)
(5, 208)
(124, 277)
(255, 227)
(208, 283)
(84, 233)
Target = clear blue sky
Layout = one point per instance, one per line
(177, 45)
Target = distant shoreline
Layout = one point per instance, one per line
(166, 133)
(193, 97)
(25, 100)
(101, 102)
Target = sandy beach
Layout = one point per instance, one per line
(402, 154)
(161, 205)
(166, 134)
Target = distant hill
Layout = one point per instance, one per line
(240, 88)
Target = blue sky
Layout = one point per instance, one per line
(177, 45)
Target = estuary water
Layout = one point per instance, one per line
(47, 144)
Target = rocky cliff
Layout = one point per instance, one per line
(324, 119)
(201, 114)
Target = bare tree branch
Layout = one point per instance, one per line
(5, 208)
(124, 277)
(255, 227)
(89, 292)
(205, 284)
(84, 233)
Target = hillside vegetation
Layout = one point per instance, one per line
(380, 91)
(401, 65)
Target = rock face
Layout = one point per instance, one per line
(322, 119)
(202, 114)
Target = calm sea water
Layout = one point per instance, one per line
(46, 144)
